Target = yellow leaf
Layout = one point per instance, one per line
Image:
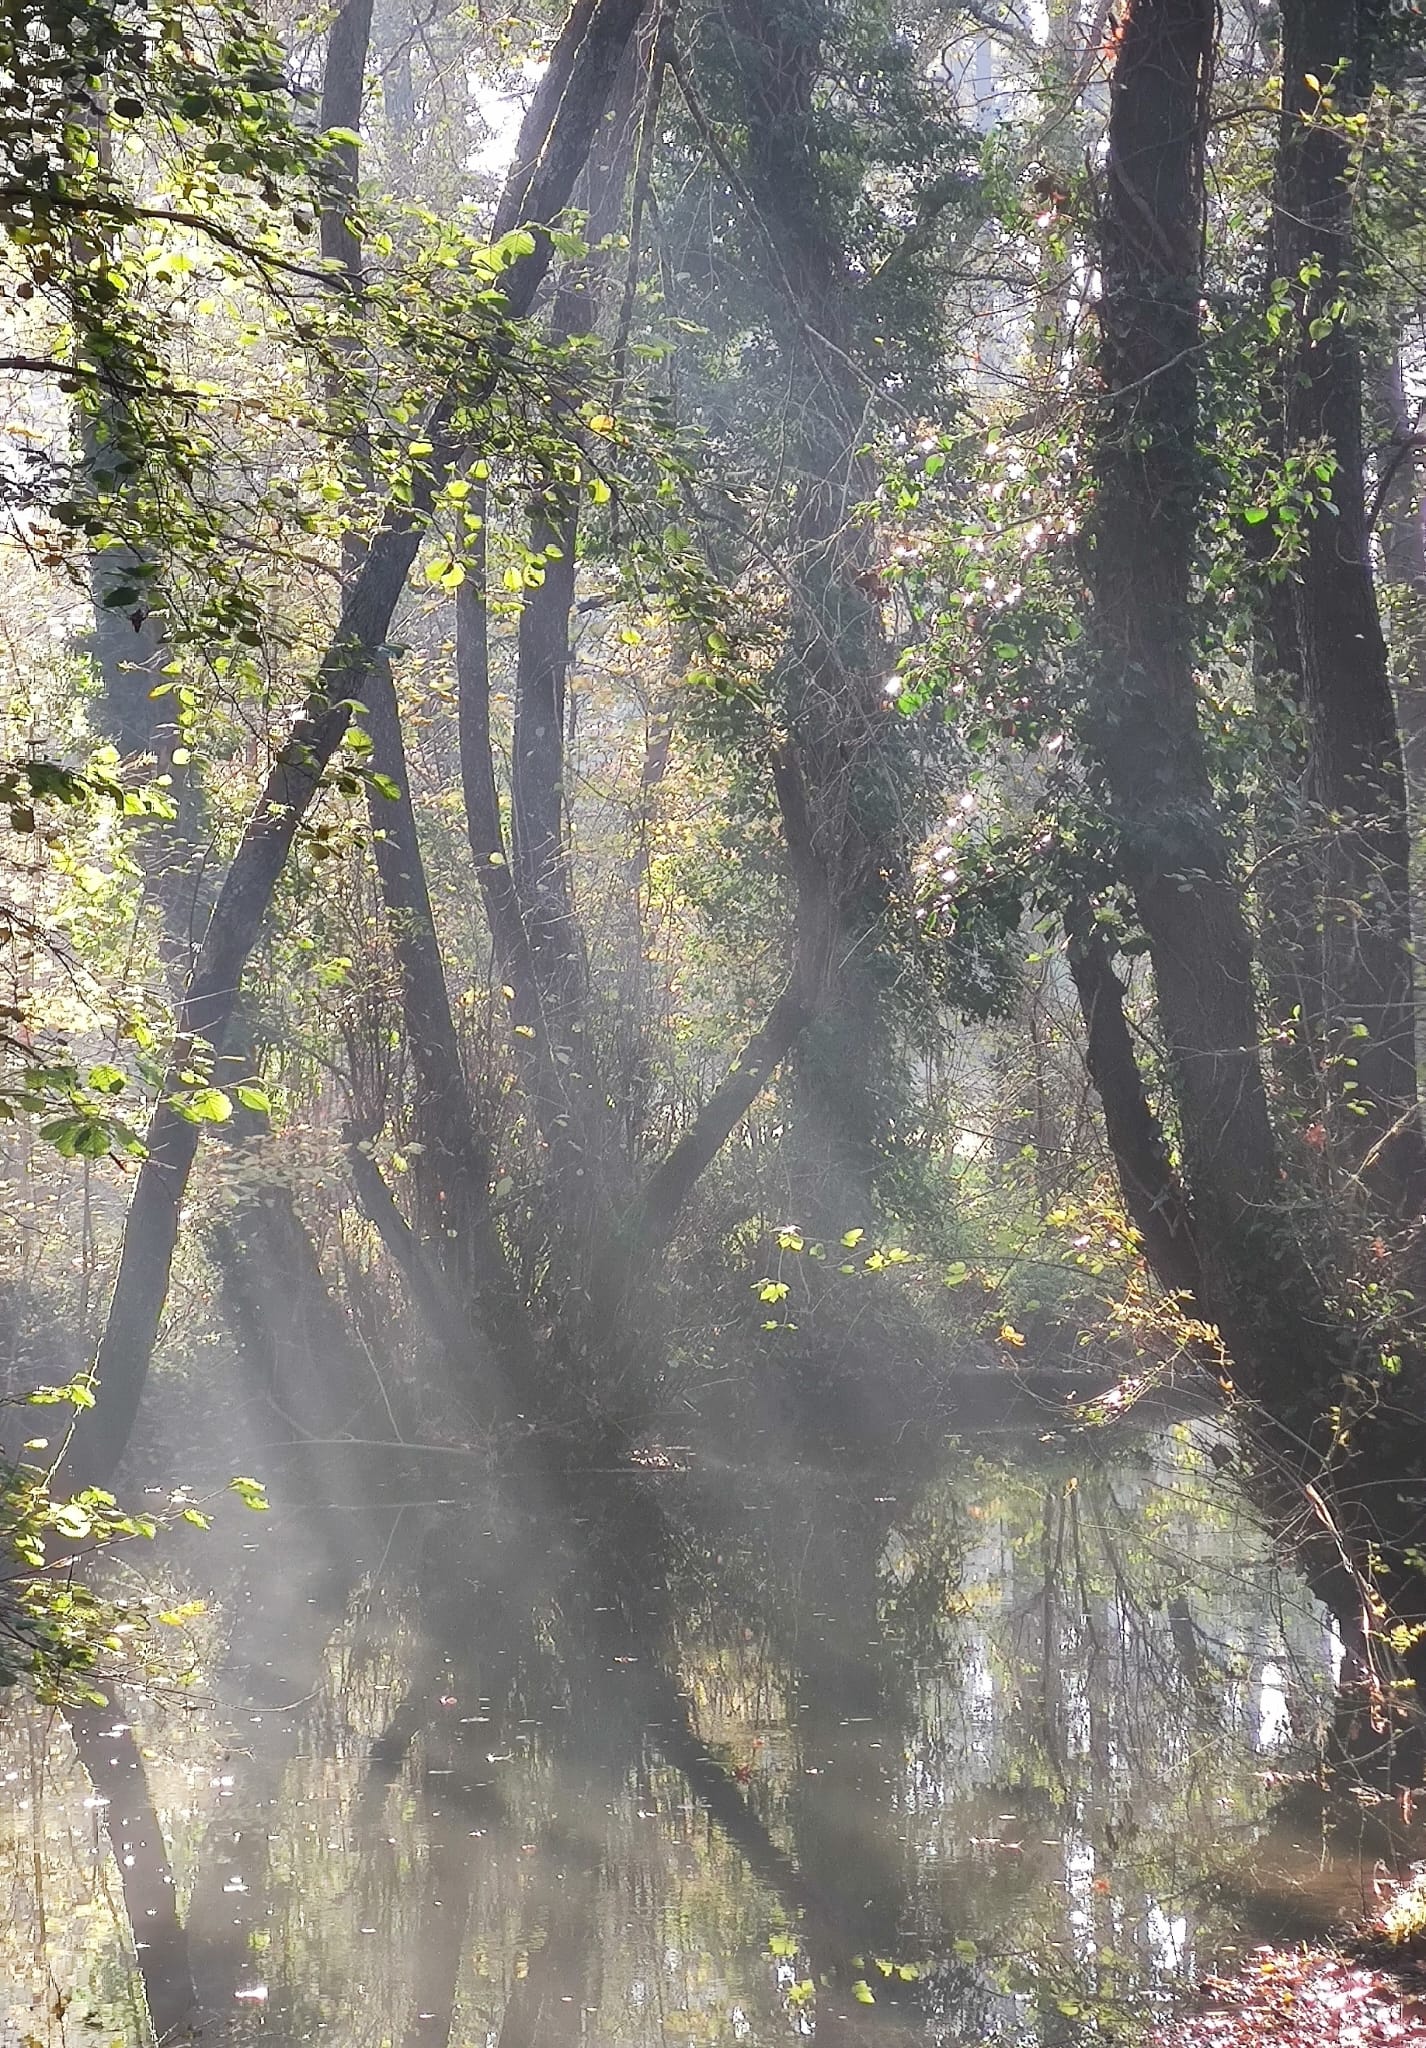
(1010, 1335)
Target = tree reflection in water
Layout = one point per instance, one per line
(701, 1758)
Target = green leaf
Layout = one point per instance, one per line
(208, 1106)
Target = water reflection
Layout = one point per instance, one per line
(1007, 1755)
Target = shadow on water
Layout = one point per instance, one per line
(1015, 1750)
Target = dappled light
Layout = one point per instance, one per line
(712, 1181)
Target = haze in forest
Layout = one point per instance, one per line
(712, 1177)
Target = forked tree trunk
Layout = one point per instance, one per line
(1143, 730)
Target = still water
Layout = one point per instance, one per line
(1016, 1753)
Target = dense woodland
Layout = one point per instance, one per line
(714, 733)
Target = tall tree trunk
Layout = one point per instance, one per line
(1143, 729)
(453, 1173)
(1401, 524)
(273, 1291)
(834, 662)
(554, 142)
(1355, 770)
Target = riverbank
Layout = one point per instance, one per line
(1368, 1993)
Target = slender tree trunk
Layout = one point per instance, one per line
(1355, 771)
(553, 145)
(273, 1289)
(343, 90)
(537, 769)
(1153, 1195)
(454, 1171)
(1401, 524)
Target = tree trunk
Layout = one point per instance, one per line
(1153, 1195)
(1401, 495)
(554, 142)
(1143, 731)
(273, 1290)
(1355, 775)
(110, 1753)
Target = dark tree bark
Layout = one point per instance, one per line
(273, 1290)
(834, 660)
(343, 84)
(537, 769)
(454, 1169)
(557, 1092)
(1401, 525)
(539, 805)
(554, 143)
(110, 1754)
(1153, 1195)
(1356, 777)
(1143, 730)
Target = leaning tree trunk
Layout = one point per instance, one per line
(291, 1333)
(554, 142)
(1153, 1194)
(453, 1174)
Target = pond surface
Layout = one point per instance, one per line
(1018, 1753)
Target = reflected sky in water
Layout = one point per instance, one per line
(1015, 1753)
